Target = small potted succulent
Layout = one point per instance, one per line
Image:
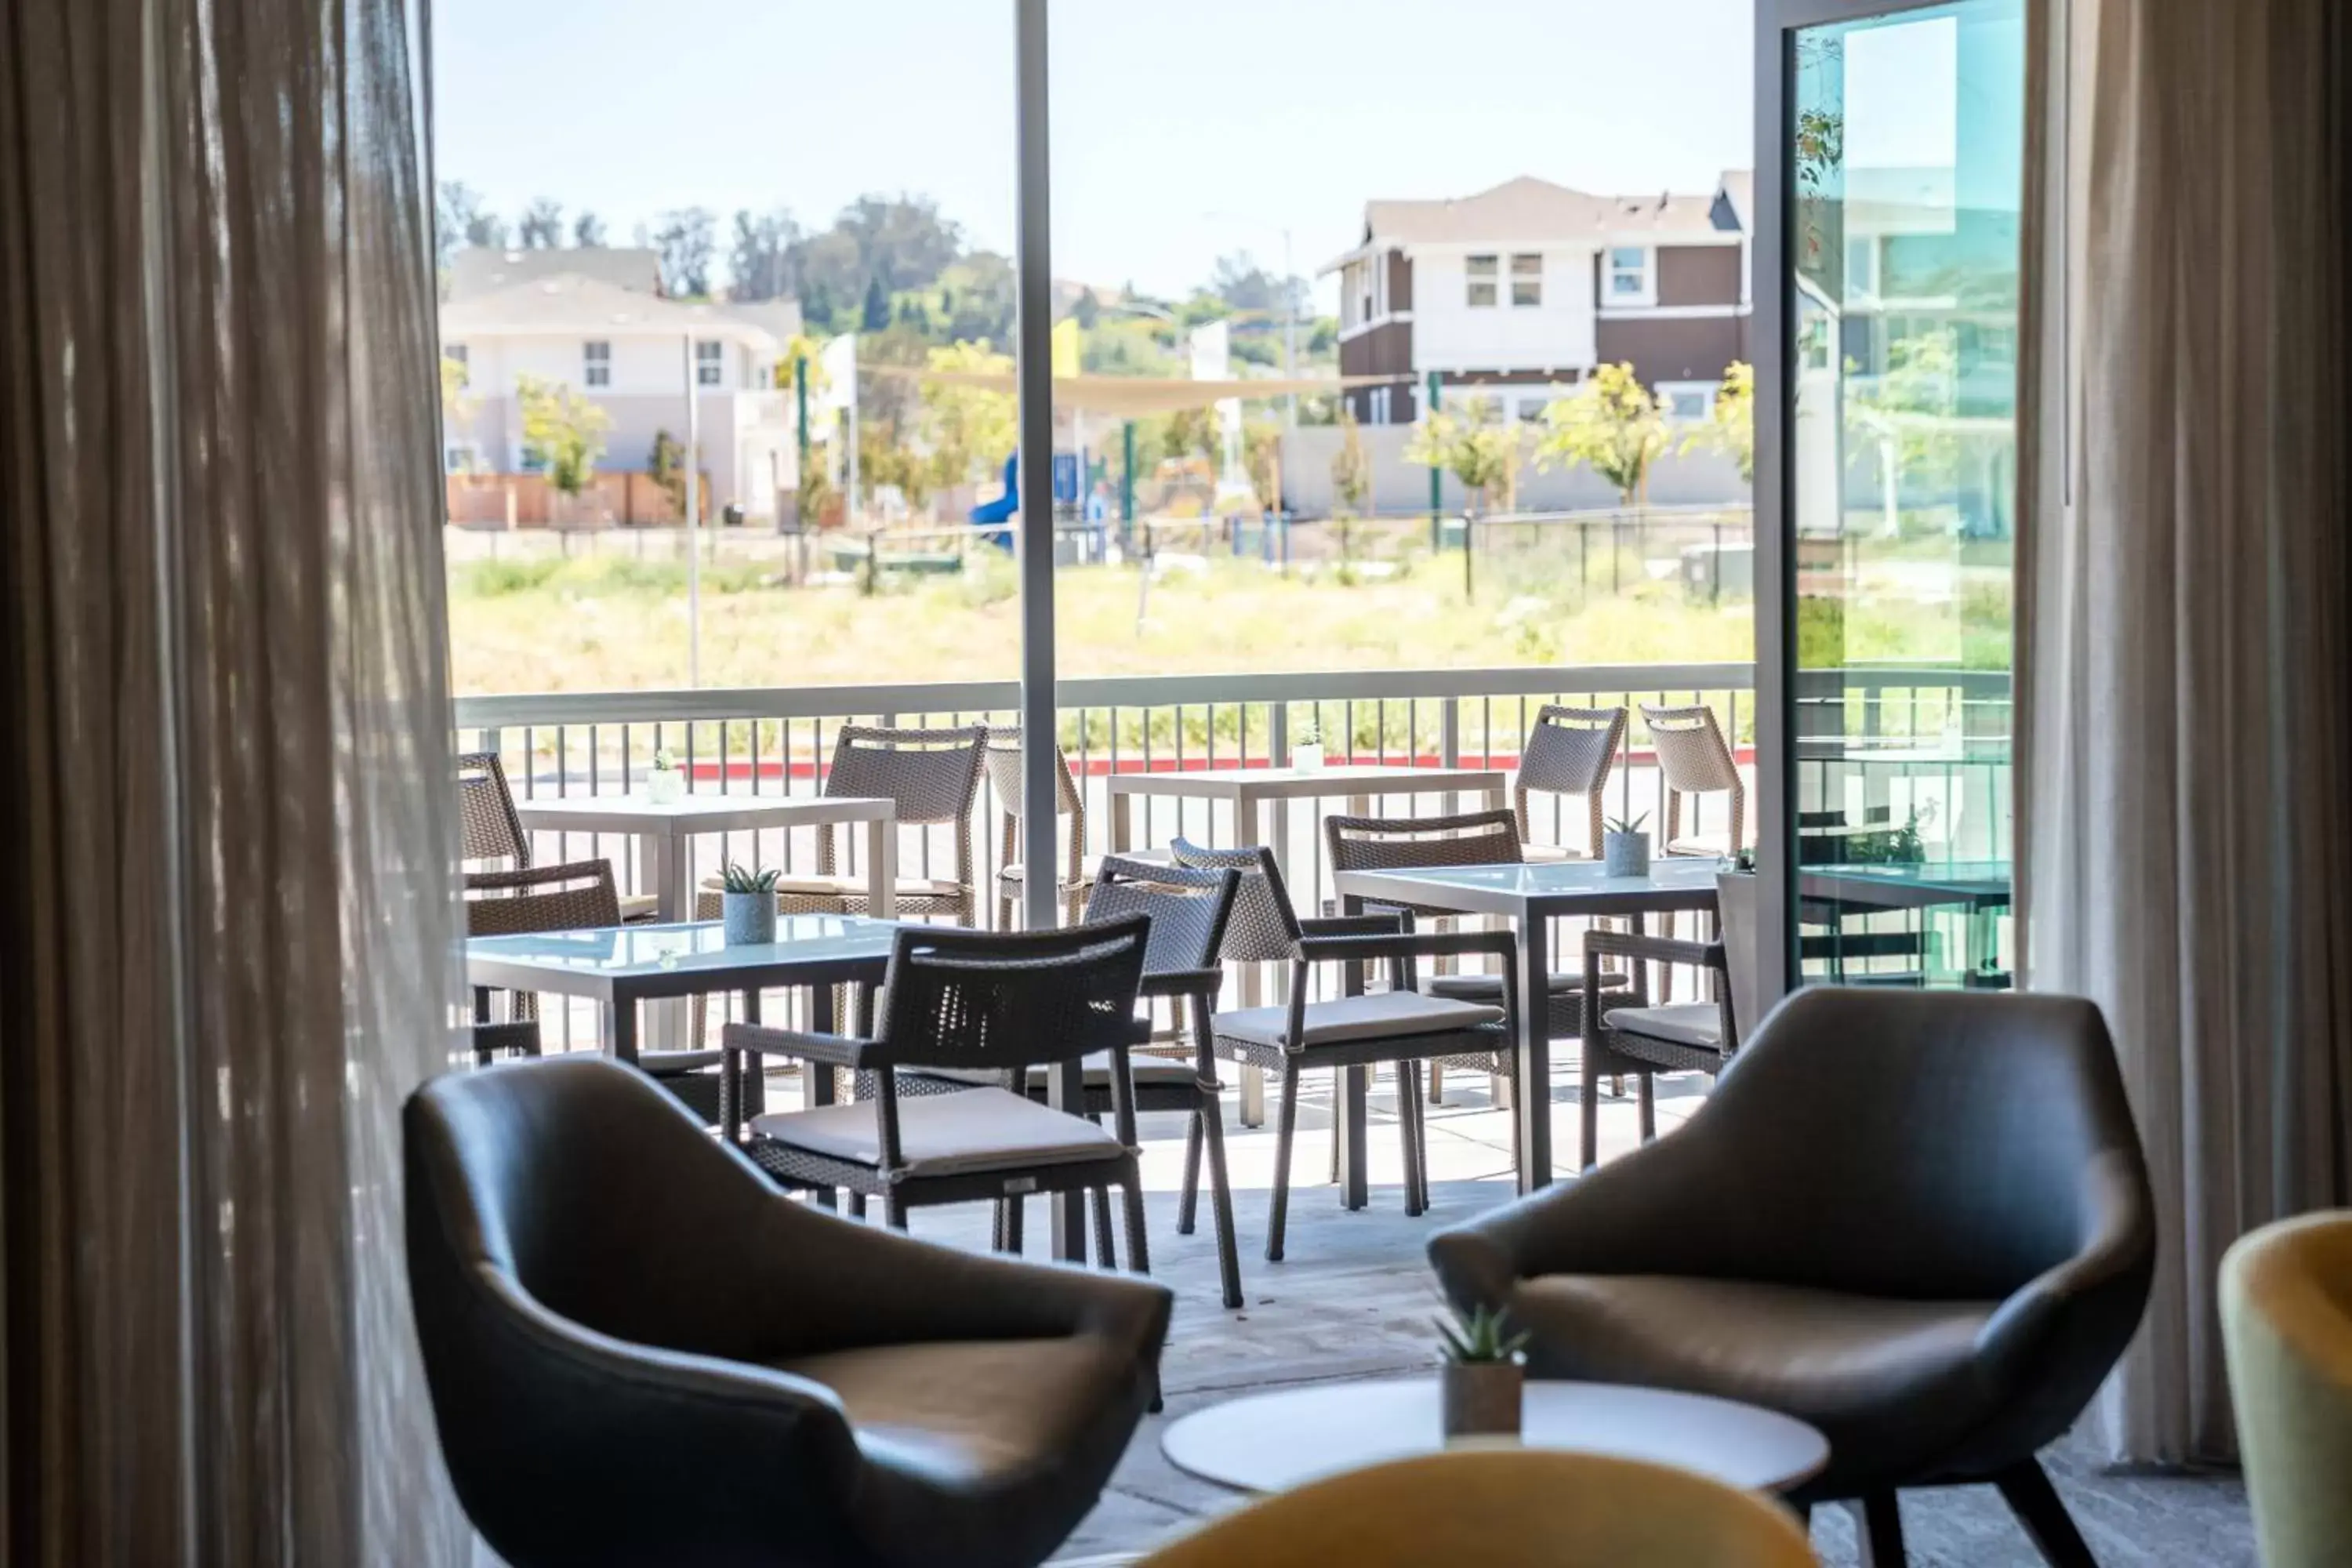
(1307, 749)
(1625, 847)
(1483, 1379)
(747, 904)
(666, 781)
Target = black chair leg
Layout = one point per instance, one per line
(894, 1212)
(1878, 1530)
(1187, 1198)
(1420, 1138)
(1210, 1119)
(1408, 1091)
(1286, 1128)
(1649, 1109)
(2026, 1488)
(1106, 1245)
(857, 1205)
(1138, 1250)
(1013, 1211)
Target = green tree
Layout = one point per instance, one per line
(564, 429)
(1261, 460)
(667, 463)
(1351, 469)
(1730, 427)
(588, 232)
(540, 226)
(1475, 445)
(1911, 412)
(686, 240)
(877, 305)
(1192, 432)
(966, 428)
(1612, 425)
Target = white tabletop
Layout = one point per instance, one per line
(680, 960)
(695, 813)
(1554, 887)
(1305, 783)
(1271, 1442)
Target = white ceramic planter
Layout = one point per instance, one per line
(1309, 757)
(665, 786)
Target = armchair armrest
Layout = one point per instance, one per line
(1185, 983)
(1408, 944)
(829, 1050)
(1366, 924)
(2118, 1238)
(1655, 949)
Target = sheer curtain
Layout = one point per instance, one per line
(225, 909)
(2185, 627)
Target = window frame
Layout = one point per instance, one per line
(709, 362)
(1528, 277)
(596, 362)
(1482, 271)
(1644, 275)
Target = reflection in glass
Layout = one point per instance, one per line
(1906, 175)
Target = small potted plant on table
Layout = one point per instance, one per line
(1483, 1378)
(1307, 751)
(1624, 848)
(666, 781)
(747, 904)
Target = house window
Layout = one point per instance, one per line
(1861, 267)
(1527, 279)
(1531, 409)
(708, 364)
(1687, 401)
(1483, 270)
(458, 354)
(596, 363)
(530, 459)
(1628, 272)
(459, 459)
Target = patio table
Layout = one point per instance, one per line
(1259, 798)
(1528, 895)
(1980, 887)
(620, 967)
(663, 832)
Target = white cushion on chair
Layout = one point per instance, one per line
(1386, 1015)
(639, 906)
(1698, 1024)
(963, 1133)
(1142, 1070)
(1550, 852)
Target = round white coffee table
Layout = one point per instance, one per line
(1271, 1442)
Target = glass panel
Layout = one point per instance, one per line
(1906, 175)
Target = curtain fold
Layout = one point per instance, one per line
(226, 910)
(2185, 631)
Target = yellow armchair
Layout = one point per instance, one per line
(1502, 1508)
(2287, 1316)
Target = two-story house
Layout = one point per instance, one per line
(1518, 292)
(578, 317)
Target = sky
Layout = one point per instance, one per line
(1181, 132)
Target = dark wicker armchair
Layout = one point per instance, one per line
(1401, 1026)
(1472, 838)
(492, 834)
(971, 1002)
(639, 1352)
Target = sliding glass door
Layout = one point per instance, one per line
(1892, 242)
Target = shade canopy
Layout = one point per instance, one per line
(1132, 397)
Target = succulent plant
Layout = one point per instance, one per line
(1311, 731)
(664, 760)
(1626, 824)
(1479, 1337)
(736, 878)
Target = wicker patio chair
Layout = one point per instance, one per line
(993, 1001)
(1568, 752)
(1643, 1039)
(1188, 911)
(1473, 839)
(930, 776)
(1401, 1026)
(493, 830)
(1001, 758)
(1693, 760)
(575, 896)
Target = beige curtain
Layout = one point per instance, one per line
(225, 903)
(2185, 622)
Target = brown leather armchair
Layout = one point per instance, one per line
(640, 1352)
(1920, 1221)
